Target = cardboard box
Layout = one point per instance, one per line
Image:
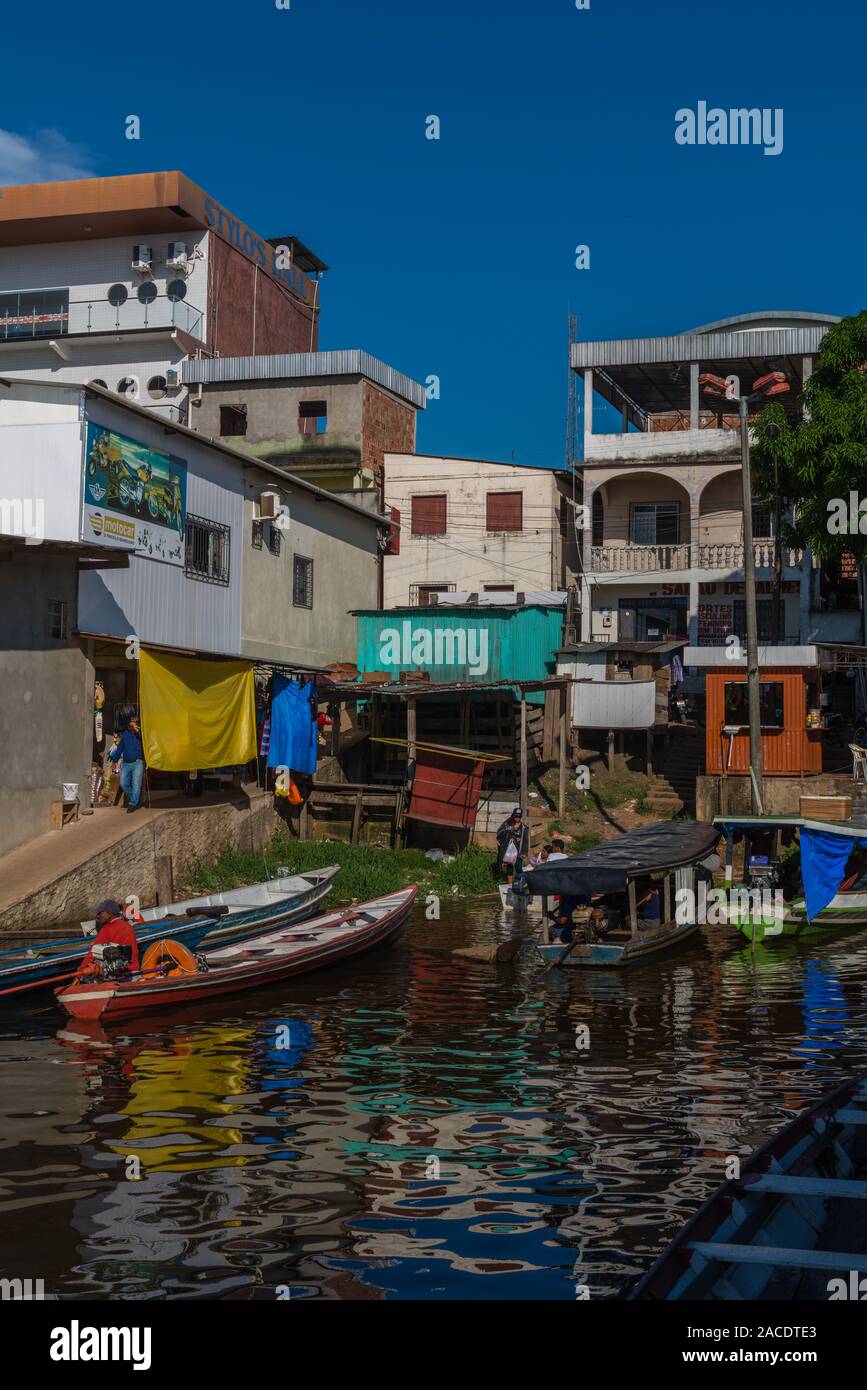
(826, 807)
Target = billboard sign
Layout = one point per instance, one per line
(134, 497)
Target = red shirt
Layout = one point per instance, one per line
(119, 931)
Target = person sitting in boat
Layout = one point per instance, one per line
(541, 858)
(558, 849)
(856, 867)
(114, 929)
(561, 919)
(513, 844)
(648, 907)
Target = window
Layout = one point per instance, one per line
(504, 511)
(429, 514)
(128, 386)
(157, 388)
(655, 523)
(597, 508)
(207, 552)
(421, 595)
(302, 582)
(499, 588)
(312, 417)
(272, 534)
(97, 381)
(34, 314)
(761, 519)
(764, 619)
(233, 419)
(737, 710)
(56, 620)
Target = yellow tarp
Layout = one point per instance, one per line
(196, 714)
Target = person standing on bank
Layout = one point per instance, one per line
(513, 845)
(131, 751)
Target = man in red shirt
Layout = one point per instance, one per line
(112, 927)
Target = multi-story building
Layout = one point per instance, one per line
(120, 532)
(118, 280)
(471, 525)
(664, 554)
(329, 417)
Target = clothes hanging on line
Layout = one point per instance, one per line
(294, 731)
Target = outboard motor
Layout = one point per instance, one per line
(112, 959)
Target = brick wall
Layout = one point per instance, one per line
(281, 323)
(387, 426)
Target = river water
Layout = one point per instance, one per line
(413, 1125)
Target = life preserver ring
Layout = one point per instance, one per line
(172, 954)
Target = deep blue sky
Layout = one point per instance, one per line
(457, 257)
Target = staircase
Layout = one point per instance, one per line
(672, 787)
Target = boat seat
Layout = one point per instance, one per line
(785, 1185)
(780, 1256)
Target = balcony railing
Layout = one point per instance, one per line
(639, 559)
(98, 316)
(647, 559)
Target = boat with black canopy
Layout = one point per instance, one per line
(658, 861)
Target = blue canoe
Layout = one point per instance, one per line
(215, 920)
(793, 1226)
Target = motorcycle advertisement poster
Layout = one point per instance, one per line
(134, 497)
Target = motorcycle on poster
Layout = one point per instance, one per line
(134, 496)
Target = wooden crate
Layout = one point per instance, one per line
(826, 807)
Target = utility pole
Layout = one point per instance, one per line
(753, 687)
(772, 384)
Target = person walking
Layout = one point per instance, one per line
(129, 748)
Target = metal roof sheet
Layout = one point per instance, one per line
(288, 366)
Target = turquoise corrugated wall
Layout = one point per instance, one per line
(463, 644)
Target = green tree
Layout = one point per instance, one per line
(818, 456)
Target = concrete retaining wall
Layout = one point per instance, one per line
(130, 864)
(717, 796)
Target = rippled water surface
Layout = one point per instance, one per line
(412, 1124)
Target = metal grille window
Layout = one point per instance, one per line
(655, 523)
(57, 620)
(207, 553)
(429, 514)
(505, 511)
(302, 582)
(598, 519)
(762, 528)
(272, 533)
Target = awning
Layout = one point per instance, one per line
(609, 867)
(196, 714)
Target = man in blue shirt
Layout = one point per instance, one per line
(129, 747)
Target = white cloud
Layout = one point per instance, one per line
(45, 157)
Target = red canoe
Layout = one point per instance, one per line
(261, 960)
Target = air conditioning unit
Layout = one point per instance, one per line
(173, 378)
(269, 505)
(178, 255)
(142, 259)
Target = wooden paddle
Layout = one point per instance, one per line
(558, 959)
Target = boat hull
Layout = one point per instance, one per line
(307, 947)
(845, 912)
(209, 931)
(610, 955)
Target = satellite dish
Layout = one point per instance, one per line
(147, 292)
(117, 295)
(177, 289)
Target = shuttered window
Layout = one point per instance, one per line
(505, 511)
(429, 515)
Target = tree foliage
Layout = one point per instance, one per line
(819, 457)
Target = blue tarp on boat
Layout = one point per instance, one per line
(823, 859)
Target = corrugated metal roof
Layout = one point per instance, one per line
(698, 347)
(293, 365)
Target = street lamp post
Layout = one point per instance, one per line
(773, 384)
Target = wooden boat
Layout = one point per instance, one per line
(668, 852)
(847, 909)
(265, 959)
(206, 921)
(791, 1226)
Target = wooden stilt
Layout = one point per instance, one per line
(564, 732)
(357, 817)
(633, 909)
(523, 768)
(610, 750)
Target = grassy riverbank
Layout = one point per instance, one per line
(366, 871)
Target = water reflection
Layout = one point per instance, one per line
(412, 1125)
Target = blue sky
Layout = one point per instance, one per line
(456, 257)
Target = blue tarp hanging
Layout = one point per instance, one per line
(823, 859)
(294, 731)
